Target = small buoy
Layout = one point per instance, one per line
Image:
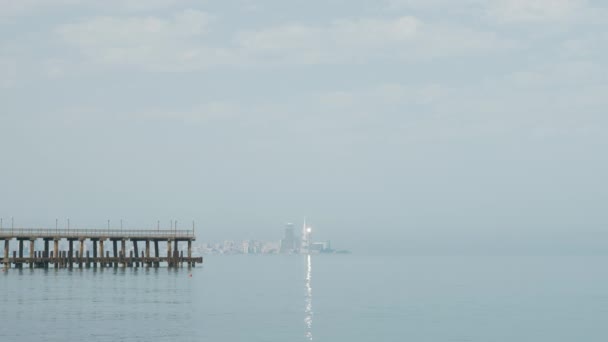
(190, 275)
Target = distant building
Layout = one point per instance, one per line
(322, 247)
(289, 242)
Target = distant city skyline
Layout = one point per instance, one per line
(289, 244)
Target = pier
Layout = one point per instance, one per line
(108, 248)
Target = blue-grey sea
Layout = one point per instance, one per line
(322, 298)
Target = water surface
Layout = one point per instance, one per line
(324, 298)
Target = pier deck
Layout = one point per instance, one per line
(90, 250)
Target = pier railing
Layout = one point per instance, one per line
(94, 233)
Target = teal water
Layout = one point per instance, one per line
(326, 298)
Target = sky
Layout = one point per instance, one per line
(396, 126)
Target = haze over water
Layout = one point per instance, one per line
(342, 298)
(426, 130)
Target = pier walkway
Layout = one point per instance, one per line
(91, 248)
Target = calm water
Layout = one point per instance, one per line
(326, 298)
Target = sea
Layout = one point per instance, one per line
(314, 298)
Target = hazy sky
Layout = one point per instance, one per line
(429, 125)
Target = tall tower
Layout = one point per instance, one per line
(306, 238)
(288, 243)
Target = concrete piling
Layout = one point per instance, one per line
(101, 253)
(156, 254)
(115, 249)
(94, 241)
(148, 253)
(32, 253)
(19, 264)
(135, 254)
(123, 252)
(6, 250)
(56, 252)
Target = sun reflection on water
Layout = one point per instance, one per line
(308, 308)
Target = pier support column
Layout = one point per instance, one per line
(123, 247)
(70, 252)
(56, 252)
(32, 252)
(101, 253)
(20, 248)
(115, 249)
(147, 253)
(175, 254)
(135, 254)
(94, 253)
(20, 264)
(189, 253)
(6, 251)
(169, 254)
(46, 253)
(156, 254)
(81, 253)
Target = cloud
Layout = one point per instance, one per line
(147, 5)
(554, 100)
(13, 8)
(561, 75)
(404, 38)
(214, 111)
(433, 4)
(131, 30)
(386, 94)
(152, 43)
(178, 42)
(501, 11)
(338, 41)
(8, 70)
(534, 10)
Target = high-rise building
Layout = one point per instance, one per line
(288, 243)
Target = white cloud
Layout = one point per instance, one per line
(396, 93)
(337, 99)
(8, 70)
(133, 30)
(9, 8)
(433, 4)
(341, 40)
(150, 42)
(503, 11)
(177, 42)
(585, 46)
(203, 113)
(534, 10)
(15, 8)
(147, 5)
(559, 75)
